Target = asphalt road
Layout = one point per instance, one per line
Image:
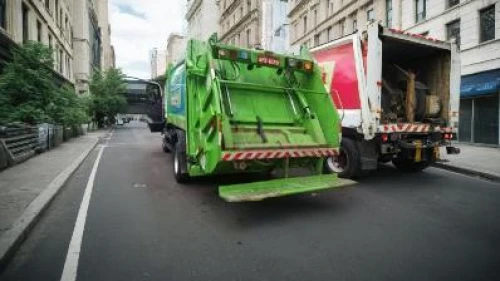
(142, 225)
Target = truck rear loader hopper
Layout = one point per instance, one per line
(232, 110)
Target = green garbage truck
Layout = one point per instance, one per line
(230, 110)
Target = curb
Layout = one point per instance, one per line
(468, 172)
(13, 238)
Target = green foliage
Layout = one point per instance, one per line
(107, 95)
(26, 86)
(68, 108)
(29, 94)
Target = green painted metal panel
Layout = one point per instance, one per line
(281, 187)
(228, 98)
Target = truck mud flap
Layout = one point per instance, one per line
(258, 191)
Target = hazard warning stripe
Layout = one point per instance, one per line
(277, 154)
(412, 128)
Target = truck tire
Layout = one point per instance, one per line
(407, 165)
(348, 163)
(180, 161)
(164, 145)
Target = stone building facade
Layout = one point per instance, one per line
(48, 21)
(203, 18)
(253, 23)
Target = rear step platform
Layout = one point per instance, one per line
(258, 191)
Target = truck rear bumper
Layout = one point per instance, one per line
(278, 154)
(258, 191)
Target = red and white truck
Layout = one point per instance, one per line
(397, 94)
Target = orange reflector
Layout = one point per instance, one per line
(308, 65)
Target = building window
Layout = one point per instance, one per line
(66, 24)
(316, 40)
(56, 10)
(452, 3)
(241, 11)
(61, 61)
(305, 24)
(487, 24)
(326, 6)
(47, 5)
(249, 38)
(388, 15)
(3, 14)
(453, 31)
(39, 31)
(249, 6)
(354, 25)
(370, 15)
(420, 10)
(342, 28)
(25, 20)
(315, 17)
(50, 40)
(56, 53)
(329, 34)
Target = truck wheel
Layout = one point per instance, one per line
(348, 163)
(164, 145)
(408, 165)
(180, 162)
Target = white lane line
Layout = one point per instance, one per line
(71, 263)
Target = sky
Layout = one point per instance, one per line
(138, 26)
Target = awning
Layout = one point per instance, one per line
(484, 83)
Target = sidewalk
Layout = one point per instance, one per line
(28, 188)
(473, 160)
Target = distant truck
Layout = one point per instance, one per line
(232, 110)
(397, 95)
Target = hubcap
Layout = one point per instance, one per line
(176, 164)
(337, 164)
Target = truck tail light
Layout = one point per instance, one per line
(385, 137)
(302, 65)
(448, 136)
(308, 66)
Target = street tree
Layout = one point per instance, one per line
(107, 95)
(29, 94)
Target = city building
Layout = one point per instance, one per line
(473, 24)
(107, 54)
(254, 23)
(158, 62)
(176, 48)
(87, 42)
(317, 22)
(49, 22)
(203, 18)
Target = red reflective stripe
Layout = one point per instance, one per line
(238, 155)
(268, 155)
(297, 154)
(226, 156)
